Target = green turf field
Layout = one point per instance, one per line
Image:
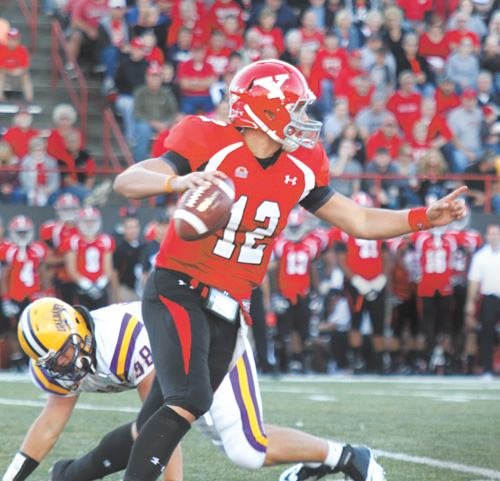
(422, 428)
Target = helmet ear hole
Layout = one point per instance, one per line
(270, 115)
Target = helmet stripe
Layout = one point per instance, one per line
(31, 339)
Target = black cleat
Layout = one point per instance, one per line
(58, 469)
(358, 462)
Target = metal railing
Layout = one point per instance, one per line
(79, 99)
(112, 130)
(31, 16)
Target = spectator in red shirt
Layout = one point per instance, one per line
(446, 97)
(153, 53)
(15, 64)
(405, 102)
(418, 141)
(217, 53)
(438, 131)
(84, 24)
(345, 80)
(312, 37)
(234, 38)
(455, 36)
(195, 78)
(19, 135)
(189, 17)
(331, 57)
(361, 96)
(434, 45)
(387, 137)
(221, 10)
(415, 11)
(64, 117)
(270, 35)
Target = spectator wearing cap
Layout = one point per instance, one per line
(462, 66)
(113, 36)
(21, 132)
(221, 10)
(476, 191)
(370, 119)
(155, 108)
(285, 18)
(490, 129)
(465, 122)
(269, 33)
(84, 24)
(311, 36)
(489, 58)
(446, 97)
(412, 61)
(434, 46)
(15, 65)
(195, 78)
(189, 16)
(217, 53)
(130, 74)
(386, 137)
(349, 37)
(455, 36)
(405, 102)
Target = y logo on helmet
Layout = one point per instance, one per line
(56, 315)
(273, 85)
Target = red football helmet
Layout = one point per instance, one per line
(273, 96)
(21, 230)
(89, 221)
(67, 207)
(363, 199)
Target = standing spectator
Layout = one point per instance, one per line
(154, 110)
(130, 74)
(39, 176)
(465, 123)
(270, 34)
(285, 18)
(84, 25)
(446, 97)
(9, 181)
(344, 162)
(64, 117)
(386, 137)
(433, 45)
(21, 132)
(15, 65)
(195, 77)
(89, 261)
(349, 37)
(113, 36)
(370, 119)
(483, 280)
(127, 260)
(22, 277)
(462, 66)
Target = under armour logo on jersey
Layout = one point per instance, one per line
(273, 85)
(289, 179)
(155, 460)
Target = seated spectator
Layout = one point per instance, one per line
(350, 132)
(293, 43)
(490, 130)
(393, 23)
(15, 65)
(431, 166)
(195, 77)
(285, 18)
(414, 12)
(345, 80)
(313, 73)
(234, 38)
(129, 75)
(476, 192)
(462, 66)
(475, 21)
(386, 137)
(360, 97)
(381, 74)
(332, 59)
(269, 33)
(168, 80)
(155, 108)
(465, 123)
(446, 97)
(189, 16)
(113, 36)
(77, 167)
(157, 25)
(335, 122)
(486, 94)
(489, 59)
(221, 112)
(136, 14)
(311, 36)
(64, 117)
(152, 53)
(405, 164)
(349, 37)
(413, 62)
(419, 140)
(220, 90)
(217, 53)
(39, 176)
(221, 10)
(21, 132)
(434, 46)
(369, 53)
(252, 51)
(180, 51)
(344, 162)
(9, 182)
(455, 36)
(84, 25)
(439, 133)
(369, 119)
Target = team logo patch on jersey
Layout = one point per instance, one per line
(241, 172)
(291, 180)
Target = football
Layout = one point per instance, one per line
(202, 211)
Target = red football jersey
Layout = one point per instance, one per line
(236, 257)
(293, 267)
(57, 234)
(24, 269)
(4, 245)
(90, 254)
(436, 260)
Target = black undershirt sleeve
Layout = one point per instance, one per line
(179, 163)
(317, 198)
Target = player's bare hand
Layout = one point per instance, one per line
(196, 179)
(447, 209)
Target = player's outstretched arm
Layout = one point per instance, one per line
(41, 437)
(365, 223)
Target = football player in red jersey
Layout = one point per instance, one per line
(5, 328)
(365, 265)
(21, 277)
(295, 251)
(272, 155)
(55, 234)
(88, 259)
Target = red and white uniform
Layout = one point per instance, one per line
(236, 257)
(294, 263)
(90, 254)
(467, 242)
(24, 270)
(57, 234)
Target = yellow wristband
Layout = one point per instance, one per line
(167, 183)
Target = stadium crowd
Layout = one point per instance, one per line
(410, 89)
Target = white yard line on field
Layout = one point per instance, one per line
(82, 406)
